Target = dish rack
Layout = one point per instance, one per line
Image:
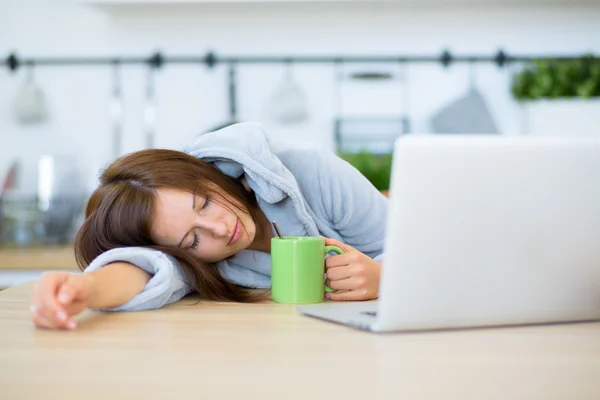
(375, 135)
(27, 221)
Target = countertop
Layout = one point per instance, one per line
(37, 258)
(205, 350)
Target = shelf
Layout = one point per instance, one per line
(109, 3)
(220, 2)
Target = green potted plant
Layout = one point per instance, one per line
(560, 97)
(377, 168)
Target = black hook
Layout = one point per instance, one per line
(12, 62)
(446, 58)
(501, 59)
(210, 59)
(156, 61)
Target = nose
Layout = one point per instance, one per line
(216, 227)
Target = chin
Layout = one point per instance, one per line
(242, 245)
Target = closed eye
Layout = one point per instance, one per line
(206, 201)
(195, 242)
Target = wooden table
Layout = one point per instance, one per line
(195, 350)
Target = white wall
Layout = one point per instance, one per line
(191, 98)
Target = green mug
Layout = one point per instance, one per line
(298, 269)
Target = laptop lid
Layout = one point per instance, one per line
(491, 230)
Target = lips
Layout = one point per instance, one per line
(237, 231)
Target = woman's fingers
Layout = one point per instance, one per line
(338, 273)
(41, 321)
(71, 289)
(352, 283)
(334, 242)
(350, 295)
(355, 274)
(360, 277)
(75, 308)
(44, 303)
(52, 302)
(71, 295)
(48, 317)
(342, 259)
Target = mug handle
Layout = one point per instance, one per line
(337, 250)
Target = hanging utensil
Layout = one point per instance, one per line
(357, 132)
(10, 180)
(405, 97)
(287, 103)
(9, 183)
(372, 75)
(150, 110)
(231, 99)
(232, 90)
(467, 114)
(116, 110)
(30, 105)
(472, 76)
(338, 76)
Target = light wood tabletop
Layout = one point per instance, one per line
(206, 350)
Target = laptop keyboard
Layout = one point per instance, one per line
(371, 313)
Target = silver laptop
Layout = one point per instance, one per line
(486, 231)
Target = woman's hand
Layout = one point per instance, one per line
(57, 297)
(353, 273)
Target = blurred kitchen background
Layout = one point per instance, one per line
(428, 66)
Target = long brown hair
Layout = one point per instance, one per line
(119, 213)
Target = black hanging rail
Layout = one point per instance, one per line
(210, 59)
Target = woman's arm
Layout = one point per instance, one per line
(351, 213)
(168, 282)
(115, 284)
(344, 204)
(358, 212)
(355, 208)
(59, 296)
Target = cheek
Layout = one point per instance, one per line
(210, 253)
(250, 229)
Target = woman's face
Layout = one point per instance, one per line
(208, 229)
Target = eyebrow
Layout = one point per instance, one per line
(188, 232)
